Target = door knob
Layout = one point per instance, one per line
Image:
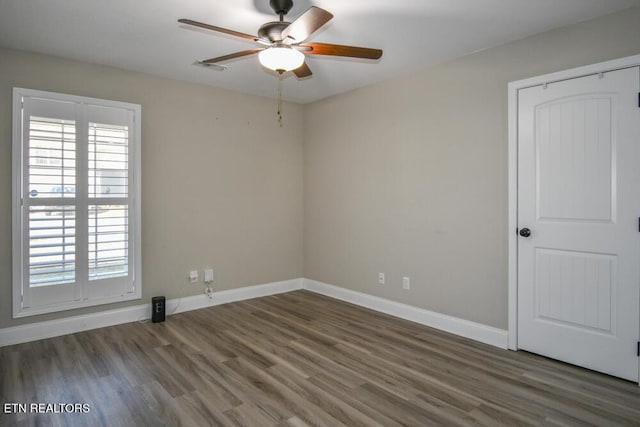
(525, 232)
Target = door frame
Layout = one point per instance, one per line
(513, 88)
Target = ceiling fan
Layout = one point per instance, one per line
(284, 42)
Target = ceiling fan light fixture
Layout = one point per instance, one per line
(281, 58)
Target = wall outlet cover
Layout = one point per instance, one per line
(193, 276)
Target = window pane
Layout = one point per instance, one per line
(108, 241)
(108, 160)
(52, 158)
(51, 245)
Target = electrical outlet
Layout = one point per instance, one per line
(193, 276)
(406, 283)
(381, 278)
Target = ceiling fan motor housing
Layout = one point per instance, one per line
(281, 7)
(272, 31)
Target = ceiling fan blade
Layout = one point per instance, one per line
(302, 71)
(308, 23)
(218, 29)
(340, 50)
(230, 56)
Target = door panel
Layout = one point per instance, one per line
(575, 162)
(575, 288)
(578, 180)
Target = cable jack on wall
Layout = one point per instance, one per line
(208, 280)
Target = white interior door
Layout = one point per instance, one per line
(578, 221)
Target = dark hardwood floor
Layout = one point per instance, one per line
(300, 359)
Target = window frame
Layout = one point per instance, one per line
(19, 167)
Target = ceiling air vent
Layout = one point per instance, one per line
(216, 67)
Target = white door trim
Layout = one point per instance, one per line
(513, 88)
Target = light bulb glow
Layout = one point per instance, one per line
(281, 58)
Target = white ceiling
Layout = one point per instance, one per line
(143, 35)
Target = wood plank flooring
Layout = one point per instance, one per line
(300, 359)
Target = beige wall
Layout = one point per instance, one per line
(409, 177)
(221, 181)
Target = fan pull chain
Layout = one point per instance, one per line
(280, 102)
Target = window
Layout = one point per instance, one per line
(76, 202)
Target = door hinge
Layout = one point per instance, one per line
(638, 353)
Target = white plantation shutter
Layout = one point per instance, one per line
(51, 171)
(76, 202)
(109, 234)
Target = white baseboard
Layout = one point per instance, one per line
(70, 325)
(196, 302)
(465, 328)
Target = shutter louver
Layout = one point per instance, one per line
(51, 245)
(108, 161)
(108, 242)
(52, 158)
